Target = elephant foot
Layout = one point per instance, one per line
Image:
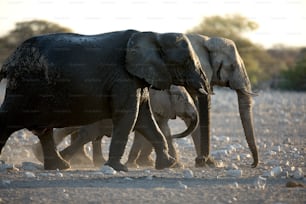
(164, 162)
(98, 162)
(117, 166)
(202, 161)
(56, 163)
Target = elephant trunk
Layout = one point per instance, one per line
(191, 122)
(246, 115)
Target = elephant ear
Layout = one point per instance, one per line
(143, 59)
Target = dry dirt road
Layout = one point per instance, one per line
(280, 126)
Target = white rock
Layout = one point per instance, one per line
(235, 185)
(181, 185)
(234, 172)
(276, 171)
(6, 182)
(29, 166)
(29, 174)
(260, 183)
(236, 157)
(219, 154)
(187, 173)
(8, 167)
(59, 174)
(108, 170)
(128, 179)
(276, 148)
(233, 166)
(147, 171)
(231, 148)
(298, 173)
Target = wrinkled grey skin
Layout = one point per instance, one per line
(62, 80)
(223, 66)
(176, 102)
(165, 105)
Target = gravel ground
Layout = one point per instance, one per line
(280, 126)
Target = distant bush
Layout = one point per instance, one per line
(294, 78)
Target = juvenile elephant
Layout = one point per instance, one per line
(176, 102)
(221, 62)
(65, 79)
(165, 105)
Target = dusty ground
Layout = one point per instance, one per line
(280, 122)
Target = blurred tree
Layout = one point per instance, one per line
(295, 77)
(25, 30)
(260, 65)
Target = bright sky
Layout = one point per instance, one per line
(280, 21)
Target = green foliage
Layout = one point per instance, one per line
(25, 30)
(260, 65)
(295, 77)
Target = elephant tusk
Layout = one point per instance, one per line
(202, 91)
(249, 93)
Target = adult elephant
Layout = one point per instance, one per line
(165, 105)
(223, 66)
(62, 80)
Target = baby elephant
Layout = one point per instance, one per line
(165, 105)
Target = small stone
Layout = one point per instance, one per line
(276, 171)
(233, 166)
(236, 157)
(234, 173)
(108, 170)
(29, 174)
(128, 179)
(287, 141)
(6, 182)
(187, 173)
(29, 166)
(235, 185)
(147, 171)
(298, 173)
(276, 148)
(59, 174)
(181, 185)
(260, 182)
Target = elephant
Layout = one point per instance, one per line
(66, 79)
(165, 105)
(222, 64)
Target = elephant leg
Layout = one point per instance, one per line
(145, 150)
(163, 125)
(135, 150)
(77, 144)
(147, 126)
(80, 157)
(202, 143)
(97, 153)
(52, 159)
(122, 126)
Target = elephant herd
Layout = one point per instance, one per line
(115, 83)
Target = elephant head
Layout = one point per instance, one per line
(223, 66)
(165, 59)
(175, 102)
